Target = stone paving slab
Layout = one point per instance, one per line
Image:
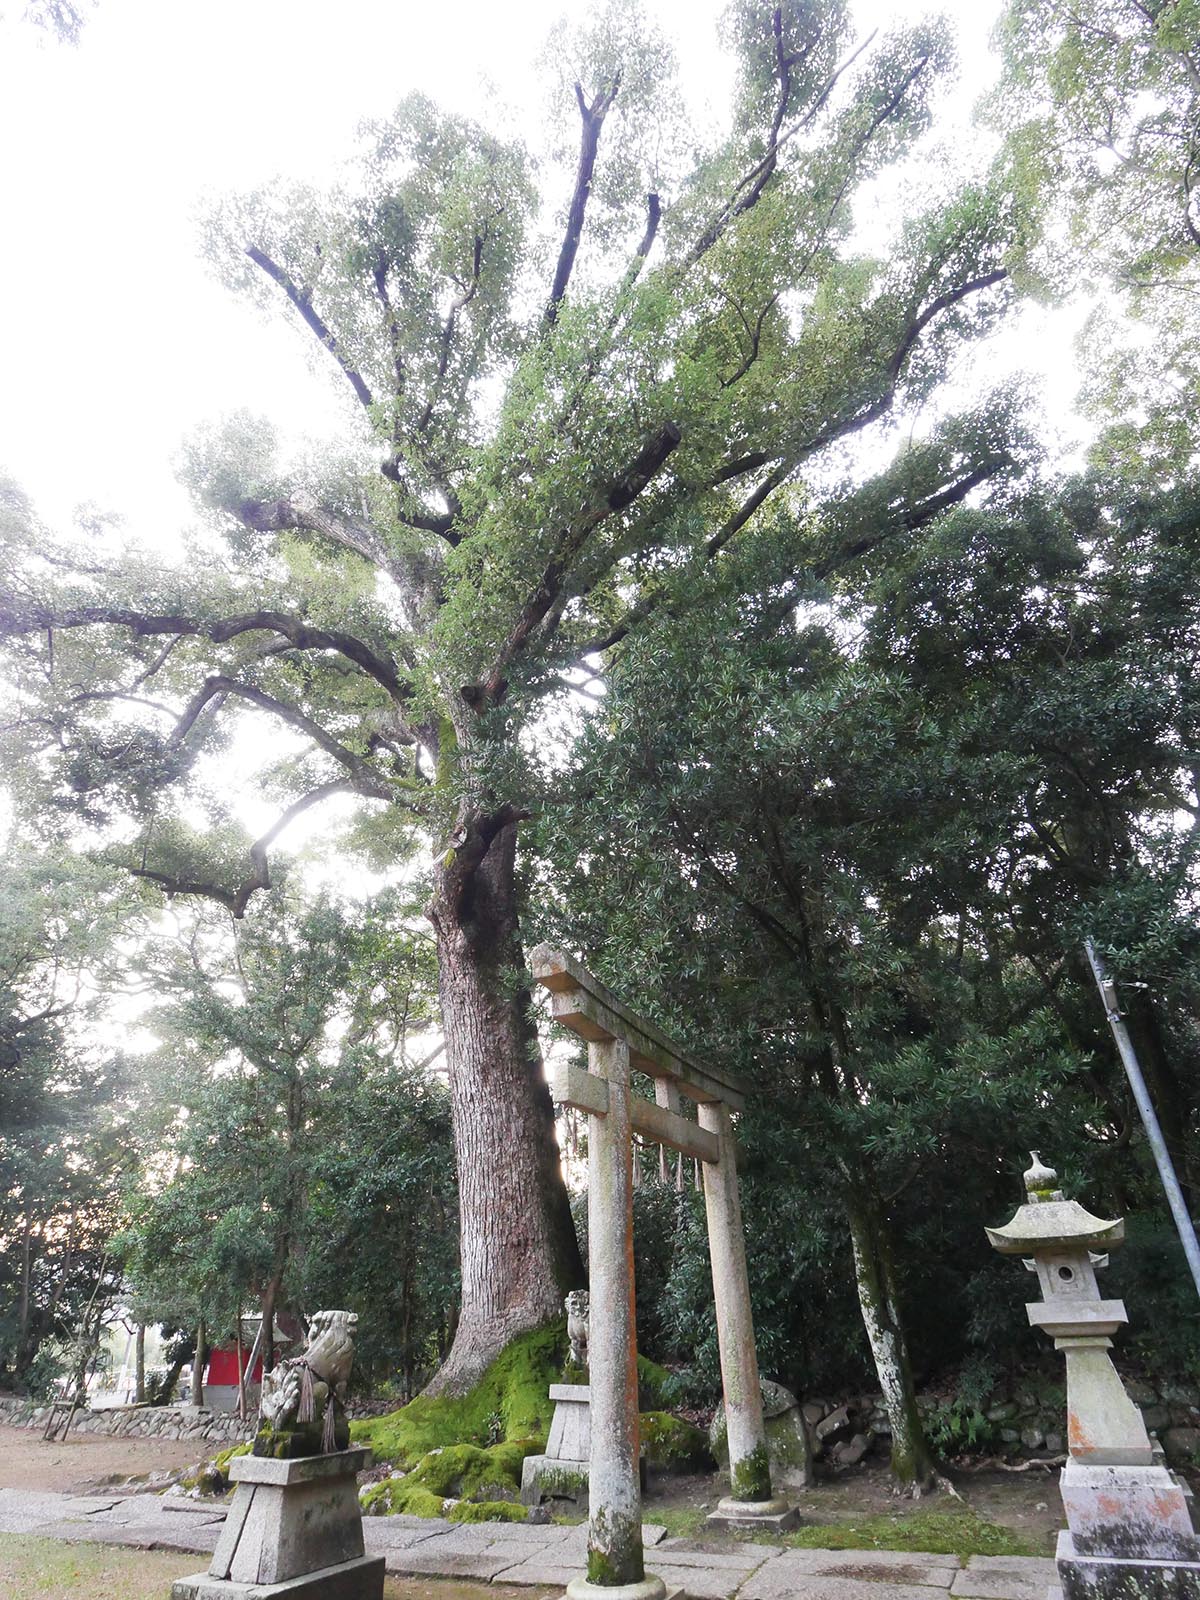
(1010, 1582)
(653, 1533)
(378, 1535)
(181, 1502)
(549, 1556)
(1034, 1566)
(698, 1583)
(423, 1562)
(820, 1560)
(678, 1553)
(541, 1573)
(882, 1566)
(780, 1580)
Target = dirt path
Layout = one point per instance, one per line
(88, 1460)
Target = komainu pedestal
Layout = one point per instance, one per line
(294, 1530)
(562, 1473)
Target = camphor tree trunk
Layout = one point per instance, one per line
(912, 1463)
(518, 1250)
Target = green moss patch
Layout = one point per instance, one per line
(221, 1461)
(395, 1496)
(487, 1511)
(463, 1472)
(510, 1402)
(957, 1533)
(673, 1445)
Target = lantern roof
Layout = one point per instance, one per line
(1049, 1221)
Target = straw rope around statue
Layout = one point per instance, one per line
(306, 1385)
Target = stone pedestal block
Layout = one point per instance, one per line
(562, 1473)
(294, 1529)
(649, 1588)
(760, 1516)
(1086, 1577)
(571, 1428)
(1128, 1511)
(350, 1580)
(550, 1478)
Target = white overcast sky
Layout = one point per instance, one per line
(117, 342)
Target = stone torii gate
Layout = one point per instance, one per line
(619, 1042)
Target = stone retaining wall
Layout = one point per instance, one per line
(137, 1422)
(1029, 1422)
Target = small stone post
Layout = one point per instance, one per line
(1129, 1532)
(751, 1501)
(615, 1556)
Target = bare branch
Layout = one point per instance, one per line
(302, 300)
(592, 116)
(218, 686)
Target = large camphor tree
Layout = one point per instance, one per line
(558, 412)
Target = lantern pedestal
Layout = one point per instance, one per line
(1121, 1577)
(1129, 1533)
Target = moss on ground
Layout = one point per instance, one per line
(944, 1532)
(673, 1445)
(487, 1511)
(681, 1522)
(464, 1472)
(395, 1496)
(510, 1402)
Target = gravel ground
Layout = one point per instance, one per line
(87, 1461)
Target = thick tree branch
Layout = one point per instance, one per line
(143, 624)
(592, 116)
(218, 686)
(620, 494)
(752, 185)
(838, 428)
(236, 900)
(302, 300)
(952, 297)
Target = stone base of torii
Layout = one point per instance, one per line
(618, 1043)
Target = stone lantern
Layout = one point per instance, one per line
(1129, 1532)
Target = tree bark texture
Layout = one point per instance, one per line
(912, 1464)
(517, 1244)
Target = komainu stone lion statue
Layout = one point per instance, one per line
(579, 1305)
(308, 1385)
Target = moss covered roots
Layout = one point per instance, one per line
(510, 1402)
(487, 1476)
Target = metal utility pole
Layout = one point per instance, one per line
(1162, 1156)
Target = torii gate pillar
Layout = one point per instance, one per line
(751, 1499)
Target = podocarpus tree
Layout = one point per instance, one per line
(554, 422)
(858, 856)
